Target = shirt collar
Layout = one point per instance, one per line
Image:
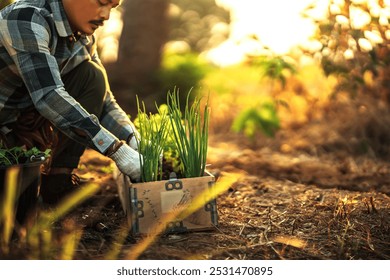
(61, 22)
(60, 19)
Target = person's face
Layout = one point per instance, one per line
(86, 16)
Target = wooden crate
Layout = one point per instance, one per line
(147, 204)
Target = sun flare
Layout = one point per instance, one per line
(277, 25)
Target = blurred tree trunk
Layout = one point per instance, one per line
(145, 31)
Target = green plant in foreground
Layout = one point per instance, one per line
(190, 132)
(19, 155)
(153, 130)
(262, 118)
(275, 68)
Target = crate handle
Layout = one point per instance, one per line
(173, 183)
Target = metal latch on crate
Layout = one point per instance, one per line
(176, 227)
(173, 183)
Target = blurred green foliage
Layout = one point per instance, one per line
(354, 44)
(354, 47)
(183, 72)
(193, 23)
(224, 81)
(275, 68)
(262, 118)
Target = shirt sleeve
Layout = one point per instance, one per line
(28, 46)
(113, 117)
(116, 119)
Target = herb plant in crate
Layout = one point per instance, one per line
(153, 129)
(173, 140)
(190, 132)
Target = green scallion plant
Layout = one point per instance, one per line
(190, 129)
(153, 129)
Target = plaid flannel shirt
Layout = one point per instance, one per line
(37, 47)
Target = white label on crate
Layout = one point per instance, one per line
(174, 200)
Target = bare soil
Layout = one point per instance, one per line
(300, 196)
(315, 191)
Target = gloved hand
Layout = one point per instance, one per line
(133, 139)
(128, 162)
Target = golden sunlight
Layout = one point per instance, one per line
(109, 36)
(263, 27)
(277, 25)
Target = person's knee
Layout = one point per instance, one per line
(97, 79)
(88, 85)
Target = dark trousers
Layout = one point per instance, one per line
(87, 83)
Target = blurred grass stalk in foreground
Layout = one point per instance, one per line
(38, 240)
(7, 213)
(41, 237)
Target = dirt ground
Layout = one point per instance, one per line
(298, 198)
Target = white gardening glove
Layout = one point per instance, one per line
(133, 139)
(128, 162)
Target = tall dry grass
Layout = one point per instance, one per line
(36, 239)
